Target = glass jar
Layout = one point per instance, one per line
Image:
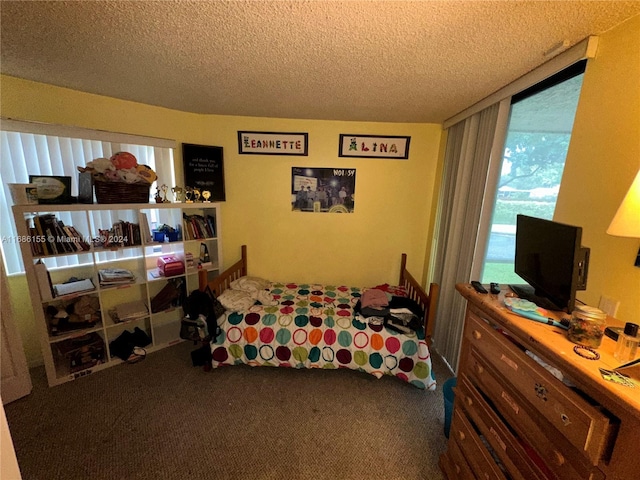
(587, 326)
(627, 346)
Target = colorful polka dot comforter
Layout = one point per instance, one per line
(314, 326)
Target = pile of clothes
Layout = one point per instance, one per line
(398, 313)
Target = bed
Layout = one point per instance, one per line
(319, 326)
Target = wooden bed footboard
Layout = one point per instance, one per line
(427, 301)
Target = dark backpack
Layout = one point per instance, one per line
(204, 304)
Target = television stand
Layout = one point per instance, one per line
(527, 292)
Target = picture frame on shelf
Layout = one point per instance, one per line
(52, 189)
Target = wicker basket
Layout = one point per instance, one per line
(119, 192)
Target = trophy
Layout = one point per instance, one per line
(164, 189)
(177, 193)
(188, 193)
(196, 194)
(158, 197)
(206, 195)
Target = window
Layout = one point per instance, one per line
(533, 159)
(39, 149)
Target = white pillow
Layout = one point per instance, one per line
(236, 300)
(250, 284)
(264, 297)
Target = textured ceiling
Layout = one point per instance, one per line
(390, 61)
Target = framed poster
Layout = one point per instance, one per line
(204, 169)
(373, 146)
(273, 143)
(323, 190)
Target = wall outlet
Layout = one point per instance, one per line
(609, 305)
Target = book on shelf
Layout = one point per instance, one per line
(115, 276)
(35, 240)
(197, 227)
(57, 238)
(211, 223)
(39, 225)
(129, 311)
(72, 240)
(80, 240)
(121, 234)
(145, 231)
(79, 286)
(44, 281)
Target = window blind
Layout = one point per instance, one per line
(469, 145)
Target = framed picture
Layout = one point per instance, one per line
(373, 146)
(52, 189)
(323, 190)
(204, 169)
(273, 143)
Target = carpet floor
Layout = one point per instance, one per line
(164, 419)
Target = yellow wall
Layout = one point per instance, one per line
(394, 198)
(603, 159)
(392, 213)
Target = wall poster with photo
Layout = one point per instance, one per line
(323, 190)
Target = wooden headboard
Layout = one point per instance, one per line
(427, 301)
(220, 283)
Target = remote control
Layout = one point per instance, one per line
(478, 287)
(495, 288)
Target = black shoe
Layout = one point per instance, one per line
(140, 337)
(122, 347)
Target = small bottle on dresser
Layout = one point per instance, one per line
(627, 346)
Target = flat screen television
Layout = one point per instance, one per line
(550, 258)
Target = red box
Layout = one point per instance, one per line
(170, 265)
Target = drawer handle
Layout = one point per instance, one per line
(541, 391)
(559, 457)
(469, 400)
(461, 435)
(479, 369)
(457, 468)
(476, 334)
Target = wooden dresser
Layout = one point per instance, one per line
(514, 418)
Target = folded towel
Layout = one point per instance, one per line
(374, 298)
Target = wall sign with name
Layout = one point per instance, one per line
(204, 169)
(372, 146)
(273, 143)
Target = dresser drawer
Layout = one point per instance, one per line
(476, 454)
(511, 453)
(558, 455)
(581, 423)
(457, 467)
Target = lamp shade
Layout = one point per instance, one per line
(626, 222)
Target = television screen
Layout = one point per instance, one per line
(550, 258)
